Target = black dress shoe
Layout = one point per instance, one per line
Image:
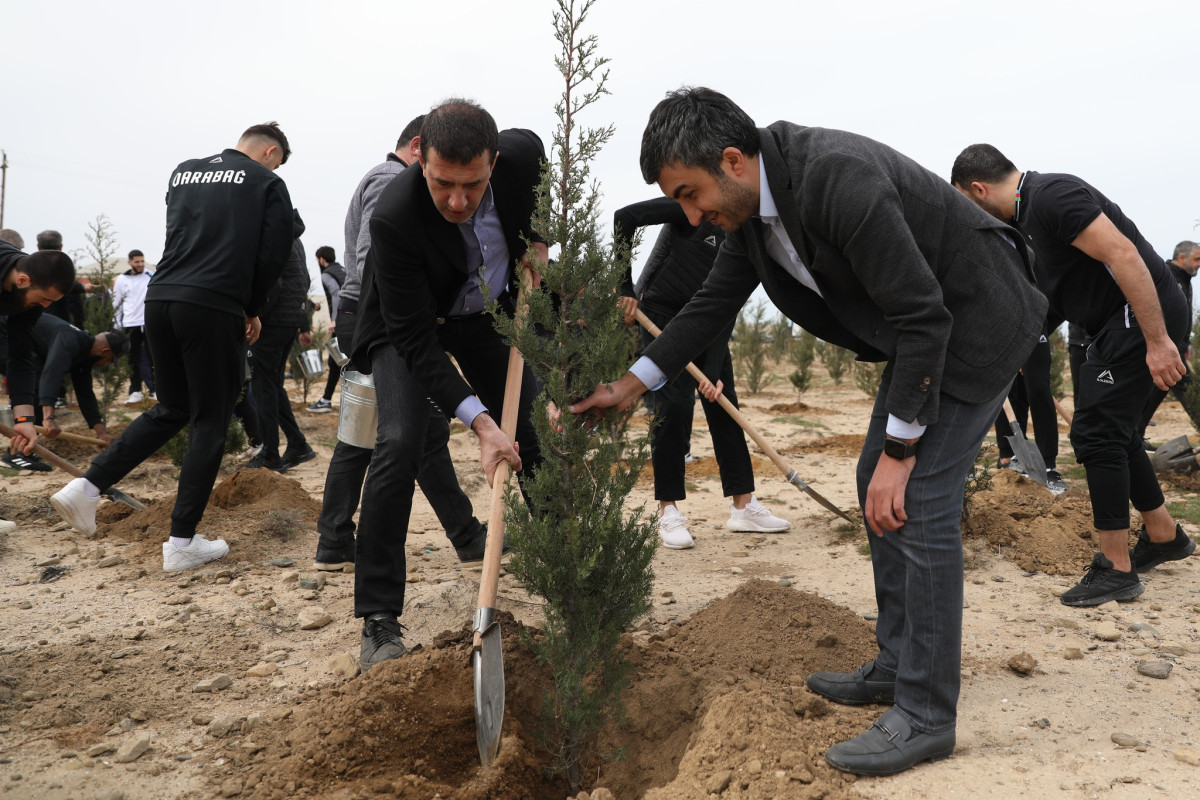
(853, 688)
(889, 746)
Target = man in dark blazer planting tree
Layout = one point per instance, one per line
(870, 251)
(442, 228)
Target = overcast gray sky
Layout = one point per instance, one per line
(102, 100)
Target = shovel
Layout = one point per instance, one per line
(74, 437)
(790, 474)
(69, 468)
(1177, 455)
(487, 654)
(1027, 454)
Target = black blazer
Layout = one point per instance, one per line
(418, 262)
(909, 269)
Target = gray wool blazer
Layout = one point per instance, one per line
(910, 271)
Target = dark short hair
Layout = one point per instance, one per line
(326, 252)
(49, 269)
(692, 126)
(135, 254)
(412, 129)
(12, 237)
(1184, 248)
(460, 130)
(118, 341)
(49, 240)
(270, 130)
(980, 162)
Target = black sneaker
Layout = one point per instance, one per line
(291, 458)
(263, 461)
(473, 552)
(1102, 583)
(1055, 482)
(1148, 555)
(32, 462)
(382, 636)
(334, 559)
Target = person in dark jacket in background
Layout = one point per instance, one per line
(333, 275)
(63, 349)
(680, 261)
(1184, 263)
(282, 318)
(229, 233)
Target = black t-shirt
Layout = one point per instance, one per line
(1054, 209)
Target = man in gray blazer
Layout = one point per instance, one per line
(868, 250)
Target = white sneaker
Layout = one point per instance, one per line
(673, 531)
(75, 506)
(7, 526)
(200, 552)
(755, 518)
(135, 397)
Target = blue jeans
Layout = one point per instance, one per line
(919, 568)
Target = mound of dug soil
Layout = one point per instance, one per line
(252, 510)
(718, 699)
(1040, 532)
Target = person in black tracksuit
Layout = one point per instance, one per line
(680, 261)
(1097, 270)
(229, 233)
(62, 349)
(282, 317)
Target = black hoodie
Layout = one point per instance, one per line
(285, 302)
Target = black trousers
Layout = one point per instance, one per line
(1114, 386)
(271, 401)
(1030, 395)
(201, 355)
(670, 439)
(404, 432)
(335, 372)
(141, 364)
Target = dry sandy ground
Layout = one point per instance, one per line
(100, 649)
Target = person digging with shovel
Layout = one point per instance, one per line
(1098, 271)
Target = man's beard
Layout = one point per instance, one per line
(738, 203)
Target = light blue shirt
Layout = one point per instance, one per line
(487, 263)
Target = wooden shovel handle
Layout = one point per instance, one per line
(74, 437)
(723, 401)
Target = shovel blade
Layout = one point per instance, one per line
(120, 497)
(1028, 455)
(488, 661)
(1162, 459)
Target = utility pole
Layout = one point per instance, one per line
(3, 183)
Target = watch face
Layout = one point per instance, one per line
(897, 449)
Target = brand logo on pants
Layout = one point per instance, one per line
(1105, 377)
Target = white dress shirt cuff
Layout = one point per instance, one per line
(648, 373)
(904, 430)
(469, 409)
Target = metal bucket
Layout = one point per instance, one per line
(310, 364)
(335, 352)
(358, 417)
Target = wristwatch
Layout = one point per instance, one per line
(900, 448)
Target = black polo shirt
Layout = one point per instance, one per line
(1053, 210)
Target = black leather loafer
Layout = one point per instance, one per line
(888, 747)
(853, 688)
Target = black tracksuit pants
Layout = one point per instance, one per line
(199, 355)
(1114, 386)
(271, 401)
(1031, 396)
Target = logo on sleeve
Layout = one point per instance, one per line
(216, 160)
(1105, 377)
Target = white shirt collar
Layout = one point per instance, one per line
(766, 203)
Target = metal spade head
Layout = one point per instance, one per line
(488, 662)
